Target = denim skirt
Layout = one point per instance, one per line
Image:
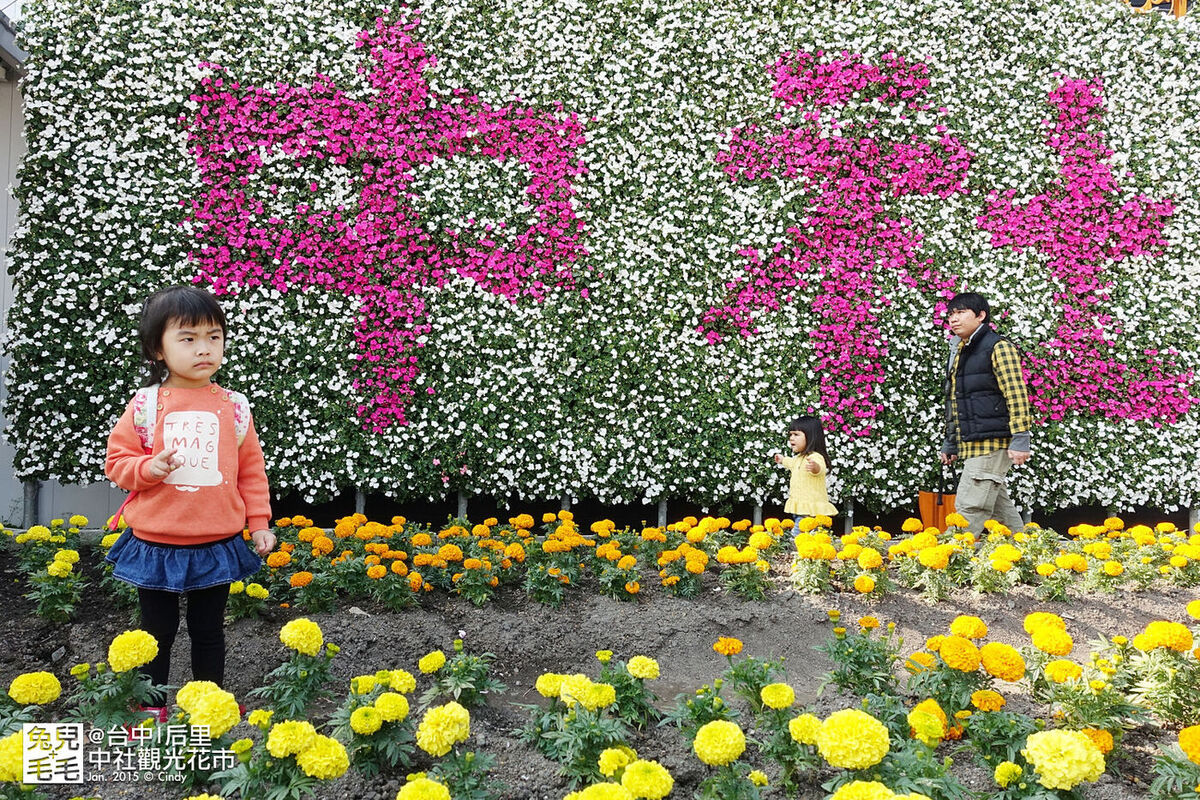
(180, 568)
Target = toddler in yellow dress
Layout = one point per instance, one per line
(809, 464)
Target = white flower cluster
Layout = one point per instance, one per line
(614, 395)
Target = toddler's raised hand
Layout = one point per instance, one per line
(811, 465)
(165, 463)
(778, 458)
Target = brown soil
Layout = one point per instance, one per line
(527, 639)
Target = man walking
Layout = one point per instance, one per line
(987, 414)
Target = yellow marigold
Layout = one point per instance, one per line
(401, 680)
(34, 688)
(1043, 619)
(612, 759)
(987, 700)
(190, 693)
(549, 684)
(260, 718)
(931, 706)
(432, 662)
(919, 662)
(728, 646)
(926, 727)
(863, 790)
(392, 706)
(1113, 568)
(969, 627)
(422, 788)
(864, 584)
(290, 737)
(934, 643)
(852, 739)
(643, 667)
(11, 748)
(1189, 743)
(131, 649)
(760, 540)
(870, 558)
(647, 780)
(1006, 772)
(367, 720)
(804, 729)
(960, 654)
(1002, 661)
(719, 742)
(868, 623)
(777, 696)
(442, 727)
(1062, 670)
(1053, 641)
(1063, 759)
(324, 760)
(1172, 635)
(937, 557)
(1193, 609)
(757, 777)
(216, 708)
(302, 635)
(1046, 570)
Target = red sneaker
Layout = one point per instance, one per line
(159, 714)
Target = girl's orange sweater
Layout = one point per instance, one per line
(221, 487)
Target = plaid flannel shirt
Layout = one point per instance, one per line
(1006, 366)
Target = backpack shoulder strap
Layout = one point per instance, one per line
(241, 415)
(145, 413)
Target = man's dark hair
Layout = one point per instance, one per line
(970, 301)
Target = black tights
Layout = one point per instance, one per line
(206, 628)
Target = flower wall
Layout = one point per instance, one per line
(608, 249)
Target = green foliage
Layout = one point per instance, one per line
(296, 683)
(1176, 777)
(749, 675)
(466, 775)
(693, 710)
(997, 736)
(863, 661)
(574, 737)
(1167, 683)
(635, 702)
(465, 678)
(105, 698)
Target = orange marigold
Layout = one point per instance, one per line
(300, 579)
(376, 572)
(728, 646)
(278, 559)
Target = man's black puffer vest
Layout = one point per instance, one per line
(982, 412)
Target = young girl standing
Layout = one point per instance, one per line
(187, 452)
(809, 464)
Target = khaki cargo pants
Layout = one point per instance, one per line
(982, 494)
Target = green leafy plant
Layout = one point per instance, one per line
(863, 661)
(635, 702)
(694, 709)
(303, 677)
(463, 677)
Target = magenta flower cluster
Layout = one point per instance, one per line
(847, 238)
(1082, 226)
(376, 249)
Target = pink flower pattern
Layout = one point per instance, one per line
(848, 236)
(377, 251)
(1081, 225)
